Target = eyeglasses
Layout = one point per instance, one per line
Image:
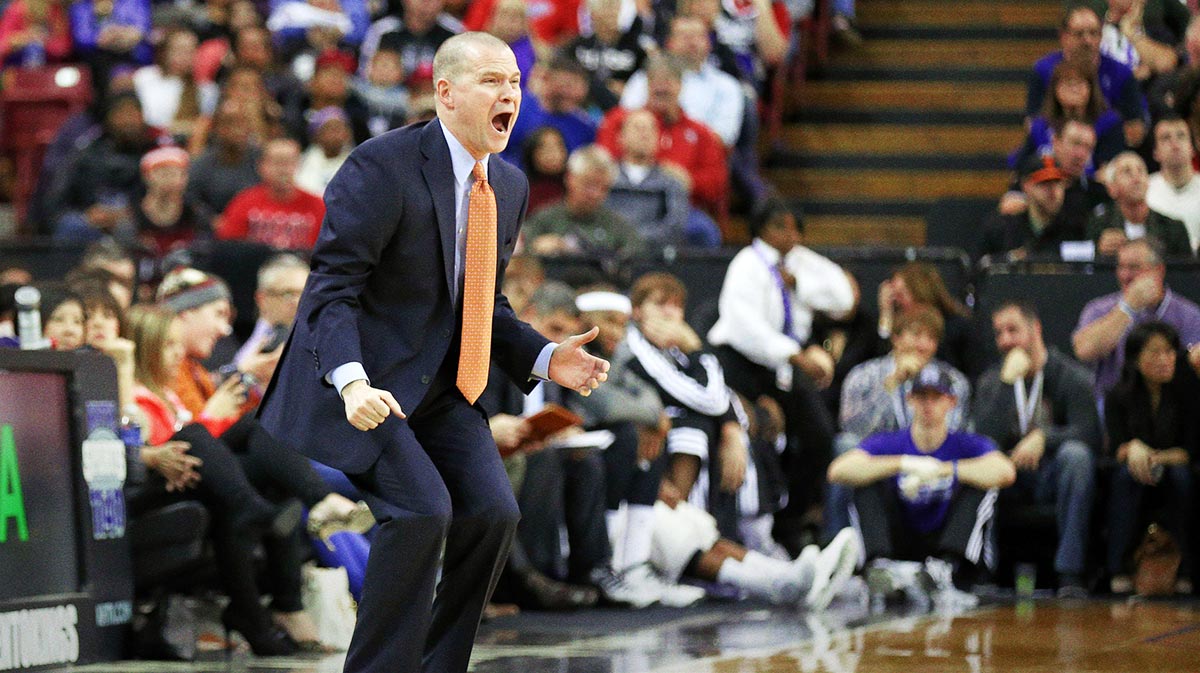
(280, 293)
(1134, 266)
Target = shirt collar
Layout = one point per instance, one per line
(460, 159)
(765, 251)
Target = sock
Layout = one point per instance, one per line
(639, 530)
(615, 520)
(798, 573)
(761, 577)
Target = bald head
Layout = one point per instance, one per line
(477, 89)
(456, 54)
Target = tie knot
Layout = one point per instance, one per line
(479, 172)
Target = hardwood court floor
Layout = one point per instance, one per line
(1085, 637)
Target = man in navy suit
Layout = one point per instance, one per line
(367, 383)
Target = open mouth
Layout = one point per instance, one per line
(501, 121)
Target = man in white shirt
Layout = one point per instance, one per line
(709, 96)
(281, 281)
(1175, 189)
(332, 141)
(772, 289)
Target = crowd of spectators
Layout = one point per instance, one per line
(1105, 159)
(710, 457)
(224, 80)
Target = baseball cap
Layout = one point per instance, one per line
(1041, 169)
(933, 377)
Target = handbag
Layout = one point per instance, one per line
(327, 600)
(1157, 563)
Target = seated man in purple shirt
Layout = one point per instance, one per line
(1099, 338)
(925, 493)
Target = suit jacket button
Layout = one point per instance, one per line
(446, 332)
(425, 379)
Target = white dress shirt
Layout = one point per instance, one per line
(750, 309)
(160, 96)
(1182, 204)
(709, 96)
(316, 170)
(463, 165)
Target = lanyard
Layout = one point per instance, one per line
(899, 408)
(784, 291)
(1026, 407)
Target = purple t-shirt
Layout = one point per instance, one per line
(1175, 310)
(926, 511)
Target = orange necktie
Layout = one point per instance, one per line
(479, 288)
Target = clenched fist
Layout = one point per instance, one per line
(367, 407)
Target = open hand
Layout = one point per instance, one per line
(574, 368)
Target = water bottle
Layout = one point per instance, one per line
(29, 318)
(130, 432)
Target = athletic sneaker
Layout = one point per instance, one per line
(887, 577)
(939, 579)
(670, 594)
(833, 567)
(625, 588)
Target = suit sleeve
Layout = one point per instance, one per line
(1080, 420)
(360, 220)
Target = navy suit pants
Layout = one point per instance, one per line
(439, 479)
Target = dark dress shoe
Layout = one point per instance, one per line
(548, 594)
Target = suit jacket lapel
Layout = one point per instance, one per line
(503, 196)
(438, 172)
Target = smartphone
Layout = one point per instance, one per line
(279, 334)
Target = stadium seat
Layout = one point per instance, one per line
(34, 102)
(958, 223)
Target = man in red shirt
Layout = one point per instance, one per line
(690, 148)
(551, 22)
(275, 211)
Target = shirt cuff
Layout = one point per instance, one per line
(541, 366)
(346, 374)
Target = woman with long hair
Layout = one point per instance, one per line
(181, 454)
(919, 284)
(1151, 414)
(1074, 93)
(544, 156)
(171, 98)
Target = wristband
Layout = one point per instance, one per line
(954, 476)
(1125, 308)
